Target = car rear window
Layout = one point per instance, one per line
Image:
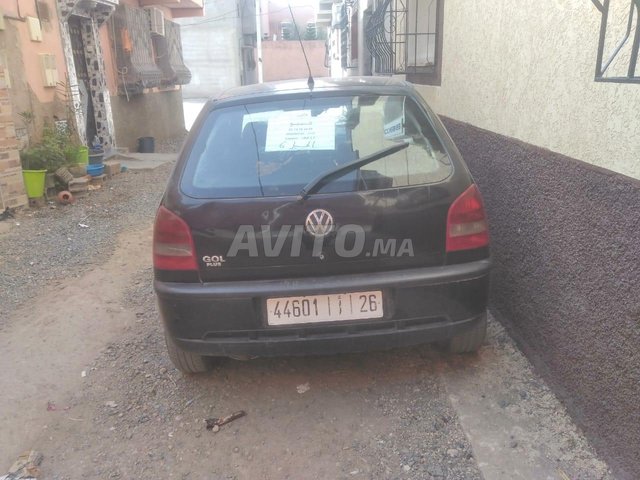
(274, 148)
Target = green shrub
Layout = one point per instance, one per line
(55, 150)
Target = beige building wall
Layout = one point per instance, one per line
(526, 70)
(284, 60)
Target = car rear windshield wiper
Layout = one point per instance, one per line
(331, 175)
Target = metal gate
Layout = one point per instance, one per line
(80, 63)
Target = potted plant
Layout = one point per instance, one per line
(34, 170)
(76, 154)
(45, 156)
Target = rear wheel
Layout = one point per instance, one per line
(470, 340)
(187, 362)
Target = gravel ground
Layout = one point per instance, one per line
(171, 145)
(128, 414)
(378, 416)
(45, 246)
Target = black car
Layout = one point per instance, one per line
(318, 220)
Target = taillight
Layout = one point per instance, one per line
(172, 243)
(467, 222)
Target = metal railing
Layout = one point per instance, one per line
(616, 55)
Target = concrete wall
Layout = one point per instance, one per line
(284, 60)
(211, 48)
(564, 237)
(28, 92)
(156, 115)
(526, 71)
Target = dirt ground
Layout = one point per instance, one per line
(87, 382)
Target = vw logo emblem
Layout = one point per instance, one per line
(319, 223)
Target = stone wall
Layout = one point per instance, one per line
(12, 193)
(564, 239)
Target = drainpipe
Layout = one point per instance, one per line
(259, 40)
(38, 12)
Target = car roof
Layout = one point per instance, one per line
(378, 85)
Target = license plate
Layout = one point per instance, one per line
(324, 308)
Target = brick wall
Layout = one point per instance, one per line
(12, 193)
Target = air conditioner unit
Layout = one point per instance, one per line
(49, 69)
(156, 20)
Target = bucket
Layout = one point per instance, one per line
(95, 170)
(96, 157)
(146, 145)
(34, 182)
(82, 157)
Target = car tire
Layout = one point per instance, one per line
(470, 340)
(187, 362)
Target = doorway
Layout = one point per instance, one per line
(82, 74)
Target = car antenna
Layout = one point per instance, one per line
(310, 81)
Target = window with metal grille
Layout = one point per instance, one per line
(133, 47)
(619, 41)
(168, 52)
(405, 37)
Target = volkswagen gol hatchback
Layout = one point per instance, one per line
(311, 221)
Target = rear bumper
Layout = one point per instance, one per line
(422, 305)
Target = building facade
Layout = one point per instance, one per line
(543, 100)
(221, 48)
(245, 42)
(125, 59)
(33, 88)
(113, 69)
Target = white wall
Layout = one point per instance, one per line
(211, 48)
(525, 70)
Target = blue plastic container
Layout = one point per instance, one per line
(95, 170)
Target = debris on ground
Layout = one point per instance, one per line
(215, 423)
(303, 388)
(65, 198)
(64, 175)
(52, 407)
(25, 467)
